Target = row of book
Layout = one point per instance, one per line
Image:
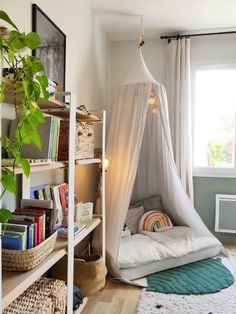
(29, 225)
(49, 134)
(56, 193)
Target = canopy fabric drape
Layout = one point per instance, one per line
(141, 161)
(178, 88)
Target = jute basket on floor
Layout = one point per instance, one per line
(89, 272)
(17, 260)
(45, 296)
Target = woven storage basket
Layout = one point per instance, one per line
(17, 260)
(84, 141)
(89, 272)
(45, 296)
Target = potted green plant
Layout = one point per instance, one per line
(29, 83)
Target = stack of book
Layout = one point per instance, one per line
(30, 224)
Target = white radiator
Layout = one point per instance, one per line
(225, 213)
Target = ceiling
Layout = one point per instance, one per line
(121, 18)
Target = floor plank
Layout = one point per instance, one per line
(119, 298)
(115, 298)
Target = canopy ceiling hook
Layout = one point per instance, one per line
(141, 35)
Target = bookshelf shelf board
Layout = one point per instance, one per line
(88, 161)
(83, 234)
(64, 113)
(89, 228)
(15, 283)
(41, 167)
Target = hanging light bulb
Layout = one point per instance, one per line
(155, 110)
(152, 98)
(153, 102)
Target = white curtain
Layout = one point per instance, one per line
(178, 91)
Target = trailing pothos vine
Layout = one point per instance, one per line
(28, 85)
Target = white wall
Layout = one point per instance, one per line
(87, 71)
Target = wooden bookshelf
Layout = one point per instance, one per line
(15, 283)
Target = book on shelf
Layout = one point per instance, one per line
(63, 231)
(63, 192)
(41, 192)
(34, 218)
(14, 236)
(30, 231)
(44, 207)
(57, 204)
(84, 211)
(40, 213)
(49, 133)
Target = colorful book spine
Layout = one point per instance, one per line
(32, 217)
(13, 240)
(30, 232)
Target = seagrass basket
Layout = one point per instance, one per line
(84, 141)
(19, 260)
(45, 296)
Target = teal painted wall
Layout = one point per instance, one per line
(205, 190)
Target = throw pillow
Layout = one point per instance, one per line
(151, 203)
(154, 221)
(133, 217)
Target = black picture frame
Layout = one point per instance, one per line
(52, 50)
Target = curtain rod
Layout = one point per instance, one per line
(177, 36)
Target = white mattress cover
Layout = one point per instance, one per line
(153, 267)
(141, 249)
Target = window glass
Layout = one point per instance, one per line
(214, 102)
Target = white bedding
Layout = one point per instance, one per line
(148, 247)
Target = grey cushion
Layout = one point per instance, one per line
(133, 217)
(151, 203)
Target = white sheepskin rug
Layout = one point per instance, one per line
(223, 302)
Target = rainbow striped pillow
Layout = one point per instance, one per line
(154, 221)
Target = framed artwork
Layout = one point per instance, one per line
(52, 49)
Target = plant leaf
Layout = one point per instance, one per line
(43, 81)
(8, 181)
(5, 215)
(32, 40)
(36, 88)
(36, 139)
(11, 55)
(5, 17)
(25, 166)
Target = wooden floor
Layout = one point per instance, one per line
(119, 298)
(115, 298)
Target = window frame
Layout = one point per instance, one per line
(223, 172)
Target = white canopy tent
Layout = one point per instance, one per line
(141, 160)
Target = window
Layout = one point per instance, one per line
(214, 107)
